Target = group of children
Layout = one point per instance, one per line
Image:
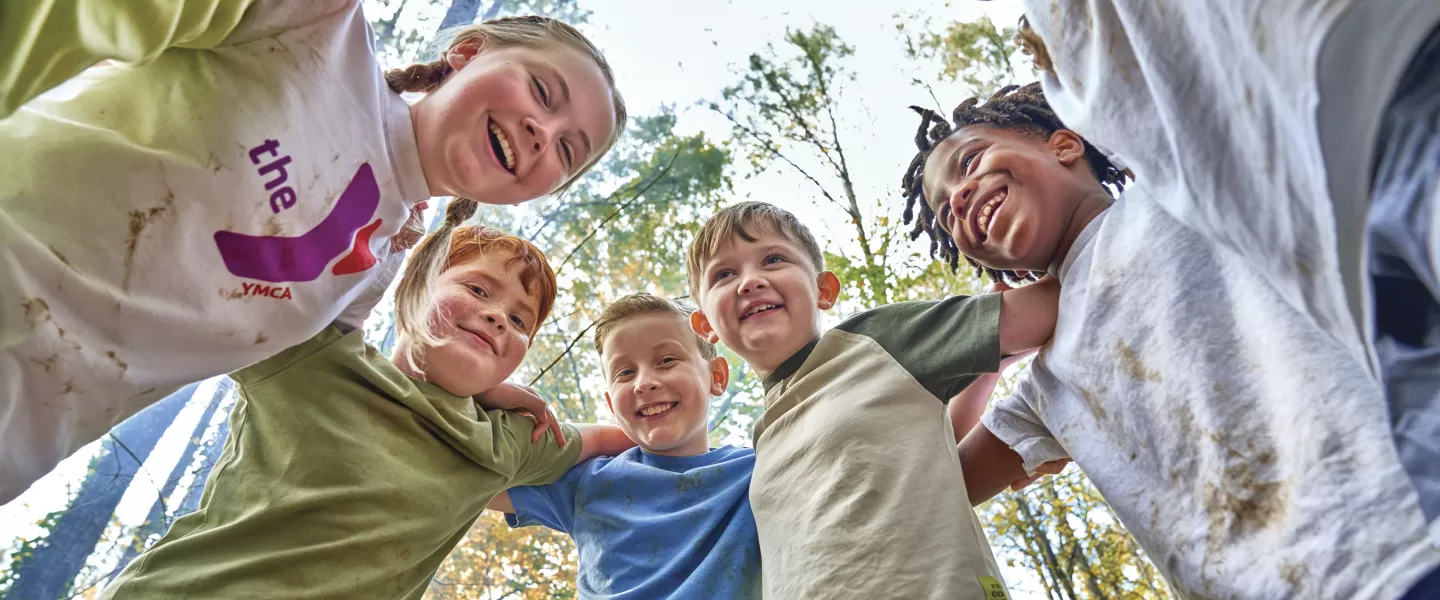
(1205, 360)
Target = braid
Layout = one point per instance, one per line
(1013, 107)
(419, 77)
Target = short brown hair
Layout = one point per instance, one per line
(644, 304)
(742, 220)
(413, 295)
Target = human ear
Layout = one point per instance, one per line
(462, 53)
(719, 375)
(829, 289)
(700, 324)
(1067, 146)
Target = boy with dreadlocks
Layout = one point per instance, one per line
(1245, 448)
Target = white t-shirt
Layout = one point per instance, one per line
(1234, 113)
(164, 223)
(1244, 447)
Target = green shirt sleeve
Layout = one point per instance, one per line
(43, 43)
(541, 462)
(943, 344)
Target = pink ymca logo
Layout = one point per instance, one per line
(280, 259)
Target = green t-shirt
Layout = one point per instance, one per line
(342, 478)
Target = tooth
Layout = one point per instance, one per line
(986, 211)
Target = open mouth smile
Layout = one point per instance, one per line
(655, 410)
(500, 145)
(760, 309)
(983, 215)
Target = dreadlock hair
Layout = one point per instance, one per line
(1014, 107)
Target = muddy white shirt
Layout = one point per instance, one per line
(1242, 445)
(1252, 122)
(189, 216)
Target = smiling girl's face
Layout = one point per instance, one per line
(512, 124)
(484, 317)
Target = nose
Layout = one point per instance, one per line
(960, 201)
(494, 318)
(644, 383)
(540, 133)
(752, 281)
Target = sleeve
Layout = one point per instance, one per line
(551, 505)
(45, 42)
(542, 462)
(1014, 422)
(359, 309)
(943, 344)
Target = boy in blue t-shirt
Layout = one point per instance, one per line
(671, 518)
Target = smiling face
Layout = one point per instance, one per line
(512, 124)
(483, 316)
(762, 298)
(1006, 196)
(660, 384)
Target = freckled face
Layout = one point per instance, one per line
(484, 318)
(1003, 196)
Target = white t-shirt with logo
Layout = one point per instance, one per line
(168, 222)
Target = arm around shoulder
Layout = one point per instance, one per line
(1028, 315)
(601, 440)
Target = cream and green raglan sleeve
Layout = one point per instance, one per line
(943, 344)
(43, 43)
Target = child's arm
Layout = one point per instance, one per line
(43, 44)
(595, 440)
(989, 466)
(1027, 315)
(967, 407)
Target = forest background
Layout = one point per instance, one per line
(801, 103)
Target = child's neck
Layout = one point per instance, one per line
(1090, 207)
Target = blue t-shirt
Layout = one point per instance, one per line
(650, 526)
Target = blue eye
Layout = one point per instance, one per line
(774, 258)
(721, 274)
(478, 291)
(520, 323)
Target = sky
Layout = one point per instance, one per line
(682, 54)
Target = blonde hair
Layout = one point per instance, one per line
(430, 258)
(742, 220)
(412, 295)
(643, 304)
(1034, 47)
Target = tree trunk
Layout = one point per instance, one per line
(212, 451)
(158, 521)
(460, 14)
(1054, 564)
(48, 572)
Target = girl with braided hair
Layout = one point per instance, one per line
(1242, 445)
(233, 177)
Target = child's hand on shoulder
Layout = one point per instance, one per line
(521, 399)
